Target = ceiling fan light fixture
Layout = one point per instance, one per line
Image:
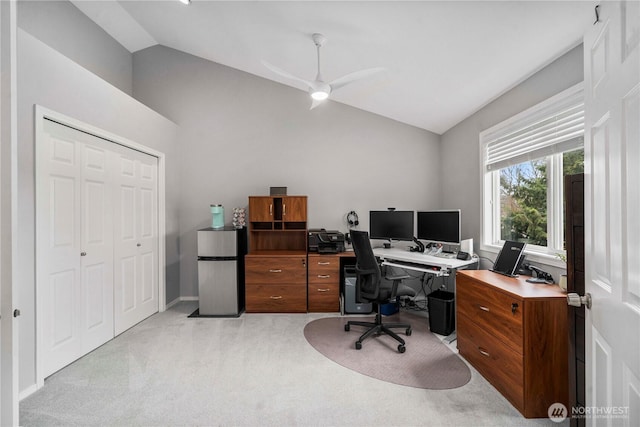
(319, 95)
(187, 2)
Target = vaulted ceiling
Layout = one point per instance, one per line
(443, 60)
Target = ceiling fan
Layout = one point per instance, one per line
(318, 88)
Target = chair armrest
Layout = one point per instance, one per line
(396, 281)
(394, 278)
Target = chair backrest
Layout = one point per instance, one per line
(368, 276)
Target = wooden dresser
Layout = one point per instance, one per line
(515, 334)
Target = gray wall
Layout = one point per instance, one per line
(48, 78)
(63, 27)
(461, 144)
(241, 134)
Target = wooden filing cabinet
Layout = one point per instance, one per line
(276, 283)
(324, 283)
(515, 334)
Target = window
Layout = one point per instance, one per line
(524, 161)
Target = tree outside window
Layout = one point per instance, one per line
(523, 197)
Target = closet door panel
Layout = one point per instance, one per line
(148, 236)
(58, 248)
(96, 243)
(136, 295)
(126, 263)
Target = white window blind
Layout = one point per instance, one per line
(555, 128)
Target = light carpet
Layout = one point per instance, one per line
(427, 363)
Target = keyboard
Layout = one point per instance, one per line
(414, 265)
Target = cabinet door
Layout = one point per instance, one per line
(294, 208)
(260, 209)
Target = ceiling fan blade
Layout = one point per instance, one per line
(286, 74)
(357, 75)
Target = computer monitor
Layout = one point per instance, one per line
(439, 226)
(391, 225)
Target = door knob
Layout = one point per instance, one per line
(576, 300)
(83, 254)
(139, 244)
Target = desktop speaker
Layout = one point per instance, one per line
(467, 246)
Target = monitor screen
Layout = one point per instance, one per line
(391, 225)
(439, 226)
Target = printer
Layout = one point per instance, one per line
(325, 241)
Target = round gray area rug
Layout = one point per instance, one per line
(427, 363)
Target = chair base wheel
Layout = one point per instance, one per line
(401, 348)
(358, 345)
(408, 332)
(347, 327)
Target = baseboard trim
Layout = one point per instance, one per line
(179, 300)
(28, 391)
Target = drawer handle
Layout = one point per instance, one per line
(483, 308)
(324, 262)
(276, 297)
(483, 352)
(323, 290)
(323, 276)
(514, 307)
(275, 271)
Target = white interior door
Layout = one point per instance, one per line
(74, 245)
(612, 203)
(136, 238)
(9, 287)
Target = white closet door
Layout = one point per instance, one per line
(136, 238)
(96, 244)
(75, 245)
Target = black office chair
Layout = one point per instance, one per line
(370, 287)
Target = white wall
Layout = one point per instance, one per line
(69, 31)
(241, 134)
(47, 78)
(461, 144)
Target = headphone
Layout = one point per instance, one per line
(352, 219)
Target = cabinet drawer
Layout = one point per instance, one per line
(267, 298)
(324, 297)
(324, 264)
(493, 309)
(498, 363)
(326, 277)
(276, 269)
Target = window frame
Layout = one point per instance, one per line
(490, 237)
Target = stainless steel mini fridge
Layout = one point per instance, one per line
(221, 271)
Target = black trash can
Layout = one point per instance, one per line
(442, 312)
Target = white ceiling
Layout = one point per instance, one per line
(444, 60)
